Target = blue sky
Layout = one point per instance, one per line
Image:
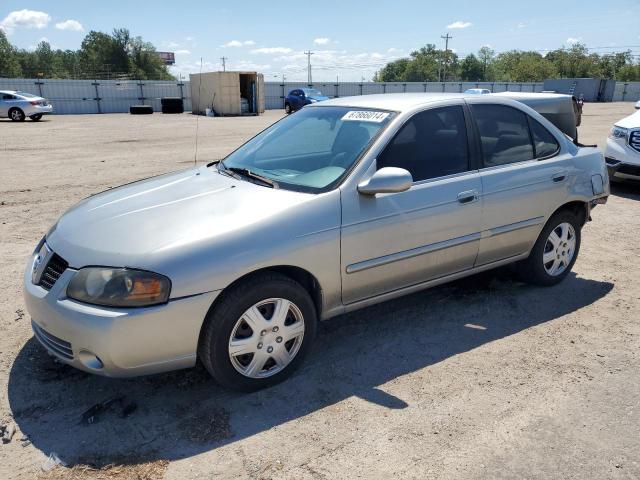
(351, 38)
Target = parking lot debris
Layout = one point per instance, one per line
(24, 441)
(93, 414)
(52, 461)
(8, 433)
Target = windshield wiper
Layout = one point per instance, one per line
(248, 173)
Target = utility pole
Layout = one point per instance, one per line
(446, 39)
(308, 54)
(224, 63)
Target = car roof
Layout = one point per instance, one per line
(9, 91)
(391, 101)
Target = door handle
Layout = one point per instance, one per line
(560, 177)
(469, 196)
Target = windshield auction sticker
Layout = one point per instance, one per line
(365, 116)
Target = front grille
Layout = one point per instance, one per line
(629, 169)
(56, 267)
(53, 343)
(634, 140)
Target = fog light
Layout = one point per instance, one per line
(90, 360)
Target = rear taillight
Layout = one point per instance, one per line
(34, 102)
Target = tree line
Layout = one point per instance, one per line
(101, 56)
(429, 64)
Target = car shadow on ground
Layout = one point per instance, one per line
(184, 413)
(629, 189)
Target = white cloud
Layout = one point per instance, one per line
(74, 25)
(521, 25)
(459, 24)
(321, 41)
(184, 51)
(394, 50)
(25, 19)
(572, 40)
(273, 50)
(237, 43)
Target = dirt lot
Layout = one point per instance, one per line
(483, 378)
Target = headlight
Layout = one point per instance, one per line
(618, 133)
(119, 287)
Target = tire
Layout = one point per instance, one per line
(172, 105)
(16, 115)
(225, 323)
(36, 118)
(562, 255)
(140, 109)
(287, 109)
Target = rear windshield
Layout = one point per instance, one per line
(26, 95)
(312, 93)
(312, 149)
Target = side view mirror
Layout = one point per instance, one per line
(387, 180)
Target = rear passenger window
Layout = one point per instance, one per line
(431, 144)
(504, 134)
(545, 144)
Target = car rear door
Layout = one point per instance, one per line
(5, 101)
(524, 179)
(392, 241)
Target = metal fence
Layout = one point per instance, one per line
(275, 92)
(100, 96)
(113, 96)
(626, 92)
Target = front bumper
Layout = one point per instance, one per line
(622, 161)
(116, 342)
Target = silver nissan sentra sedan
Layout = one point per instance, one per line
(344, 204)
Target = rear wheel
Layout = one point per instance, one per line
(287, 109)
(555, 251)
(258, 333)
(36, 118)
(16, 115)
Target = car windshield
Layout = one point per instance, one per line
(312, 93)
(312, 149)
(26, 95)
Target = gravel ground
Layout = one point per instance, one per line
(482, 378)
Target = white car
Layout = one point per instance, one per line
(638, 105)
(19, 105)
(477, 91)
(623, 149)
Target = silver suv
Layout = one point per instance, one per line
(342, 205)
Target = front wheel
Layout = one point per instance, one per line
(258, 333)
(555, 251)
(287, 109)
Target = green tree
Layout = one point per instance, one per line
(486, 55)
(9, 64)
(471, 69)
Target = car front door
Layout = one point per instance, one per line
(392, 241)
(524, 176)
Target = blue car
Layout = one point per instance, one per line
(300, 97)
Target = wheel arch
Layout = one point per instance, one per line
(579, 208)
(305, 278)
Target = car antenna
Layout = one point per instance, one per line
(195, 155)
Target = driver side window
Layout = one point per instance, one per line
(432, 144)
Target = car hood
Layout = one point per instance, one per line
(139, 224)
(632, 121)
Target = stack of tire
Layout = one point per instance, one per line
(140, 109)
(172, 105)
